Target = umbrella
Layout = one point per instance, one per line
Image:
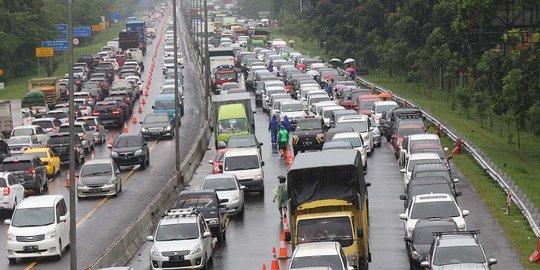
(334, 60)
(340, 86)
(312, 73)
(300, 66)
(385, 95)
(348, 60)
(328, 76)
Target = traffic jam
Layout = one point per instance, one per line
(322, 124)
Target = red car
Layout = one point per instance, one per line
(433, 148)
(217, 161)
(402, 132)
(365, 103)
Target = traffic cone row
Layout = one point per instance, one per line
(140, 108)
(143, 101)
(68, 179)
(288, 157)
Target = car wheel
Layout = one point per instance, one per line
(143, 164)
(182, 111)
(59, 256)
(12, 260)
(148, 160)
(14, 206)
(39, 188)
(120, 190)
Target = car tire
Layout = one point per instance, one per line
(46, 186)
(14, 206)
(295, 152)
(59, 256)
(39, 188)
(148, 160)
(12, 260)
(144, 164)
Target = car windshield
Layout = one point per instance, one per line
(197, 201)
(89, 121)
(33, 217)
(229, 86)
(430, 189)
(164, 105)
(414, 162)
(156, 118)
(129, 141)
(19, 140)
(181, 231)
(319, 262)
(89, 170)
(22, 132)
(226, 76)
(38, 154)
(403, 132)
(354, 141)
(382, 108)
(317, 99)
(233, 125)
(21, 165)
(65, 129)
(357, 126)
(458, 255)
(292, 107)
(308, 125)
(241, 163)
(424, 235)
(435, 209)
(325, 229)
(168, 90)
(219, 184)
(240, 142)
(43, 124)
(367, 104)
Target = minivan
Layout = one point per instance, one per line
(246, 164)
(39, 228)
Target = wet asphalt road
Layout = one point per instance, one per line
(100, 220)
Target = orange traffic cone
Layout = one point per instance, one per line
(146, 92)
(143, 101)
(282, 250)
(140, 108)
(535, 257)
(134, 120)
(126, 130)
(264, 267)
(288, 156)
(68, 179)
(109, 145)
(275, 263)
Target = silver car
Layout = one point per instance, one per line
(99, 177)
(18, 144)
(100, 133)
(227, 187)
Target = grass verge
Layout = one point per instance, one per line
(17, 87)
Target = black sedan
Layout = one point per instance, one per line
(157, 125)
(130, 149)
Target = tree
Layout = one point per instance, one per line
(518, 98)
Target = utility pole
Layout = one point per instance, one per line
(206, 59)
(176, 97)
(72, 134)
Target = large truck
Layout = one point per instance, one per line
(12, 115)
(50, 86)
(328, 201)
(231, 110)
(128, 40)
(221, 57)
(140, 28)
(223, 74)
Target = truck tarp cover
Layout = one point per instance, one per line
(324, 175)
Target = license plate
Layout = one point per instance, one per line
(176, 258)
(308, 143)
(94, 190)
(30, 248)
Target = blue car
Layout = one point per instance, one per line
(165, 103)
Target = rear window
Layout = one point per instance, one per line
(65, 129)
(22, 132)
(38, 154)
(105, 107)
(90, 122)
(59, 140)
(197, 201)
(13, 166)
(44, 124)
(58, 115)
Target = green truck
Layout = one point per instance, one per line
(232, 114)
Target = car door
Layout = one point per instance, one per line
(207, 242)
(16, 187)
(63, 227)
(54, 160)
(40, 168)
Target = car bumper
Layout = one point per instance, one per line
(302, 146)
(135, 160)
(111, 121)
(47, 247)
(50, 169)
(252, 185)
(105, 190)
(7, 203)
(160, 134)
(189, 262)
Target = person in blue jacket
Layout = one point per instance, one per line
(273, 127)
(287, 123)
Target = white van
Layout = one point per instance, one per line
(39, 228)
(247, 165)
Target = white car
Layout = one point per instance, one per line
(415, 159)
(33, 130)
(39, 228)
(319, 255)
(293, 109)
(409, 141)
(357, 143)
(226, 187)
(181, 238)
(326, 112)
(359, 123)
(19, 144)
(12, 191)
(379, 107)
(48, 124)
(433, 206)
(84, 106)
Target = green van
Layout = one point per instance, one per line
(232, 120)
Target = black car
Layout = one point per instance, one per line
(110, 113)
(128, 100)
(157, 125)
(428, 185)
(130, 149)
(419, 244)
(393, 117)
(307, 135)
(433, 170)
(28, 168)
(4, 150)
(123, 105)
(210, 206)
(59, 143)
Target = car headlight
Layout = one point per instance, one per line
(138, 152)
(51, 234)
(114, 154)
(144, 130)
(415, 255)
(168, 128)
(258, 177)
(197, 249)
(155, 252)
(10, 237)
(213, 221)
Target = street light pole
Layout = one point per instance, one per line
(176, 97)
(206, 60)
(72, 186)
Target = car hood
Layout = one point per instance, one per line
(155, 125)
(95, 180)
(126, 149)
(28, 231)
(422, 249)
(462, 266)
(307, 133)
(227, 194)
(165, 246)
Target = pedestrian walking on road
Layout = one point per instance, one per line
(280, 195)
(273, 127)
(283, 140)
(286, 123)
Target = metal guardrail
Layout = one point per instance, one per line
(524, 204)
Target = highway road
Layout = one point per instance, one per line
(101, 220)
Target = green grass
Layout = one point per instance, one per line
(17, 87)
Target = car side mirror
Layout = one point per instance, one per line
(371, 128)
(153, 108)
(261, 144)
(403, 216)
(403, 197)
(360, 233)
(150, 238)
(465, 213)
(63, 219)
(220, 167)
(350, 268)
(492, 261)
(368, 184)
(109, 146)
(445, 149)
(403, 170)
(449, 157)
(459, 193)
(424, 264)
(93, 128)
(207, 234)
(7, 221)
(140, 122)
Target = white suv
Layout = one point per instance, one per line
(182, 241)
(433, 206)
(360, 124)
(39, 228)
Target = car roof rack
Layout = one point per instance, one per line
(474, 233)
(181, 212)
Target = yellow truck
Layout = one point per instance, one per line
(50, 86)
(328, 201)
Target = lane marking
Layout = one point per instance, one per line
(87, 216)
(30, 266)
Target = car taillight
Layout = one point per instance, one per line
(53, 129)
(120, 77)
(96, 113)
(103, 84)
(7, 190)
(116, 112)
(31, 171)
(128, 99)
(97, 128)
(90, 99)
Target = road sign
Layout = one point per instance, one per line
(107, 24)
(76, 41)
(1, 85)
(115, 15)
(57, 45)
(63, 30)
(97, 28)
(82, 31)
(44, 52)
(1, 72)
